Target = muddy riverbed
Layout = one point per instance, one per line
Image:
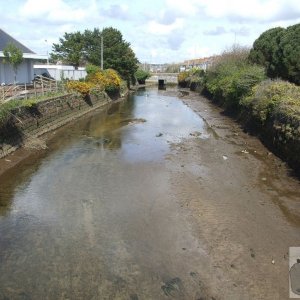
(157, 197)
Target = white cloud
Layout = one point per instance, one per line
(165, 30)
(117, 11)
(237, 10)
(156, 28)
(55, 11)
(185, 8)
(262, 11)
(219, 30)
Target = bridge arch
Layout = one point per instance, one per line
(164, 78)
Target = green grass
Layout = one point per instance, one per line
(7, 107)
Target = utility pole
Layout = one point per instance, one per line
(46, 41)
(101, 52)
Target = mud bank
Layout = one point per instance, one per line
(279, 133)
(243, 204)
(26, 124)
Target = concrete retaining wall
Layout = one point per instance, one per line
(30, 122)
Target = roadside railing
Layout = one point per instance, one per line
(41, 86)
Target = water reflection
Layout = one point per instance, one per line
(83, 218)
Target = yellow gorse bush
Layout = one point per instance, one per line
(104, 79)
(80, 87)
(107, 80)
(112, 78)
(183, 75)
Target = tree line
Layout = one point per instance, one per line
(82, 48)
(278, 50)
(260, 86)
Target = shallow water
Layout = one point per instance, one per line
(92, 216)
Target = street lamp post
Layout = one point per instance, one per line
(46, 41)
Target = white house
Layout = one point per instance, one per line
(59, 72)
(25, 72)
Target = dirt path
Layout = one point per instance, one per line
(242, 203)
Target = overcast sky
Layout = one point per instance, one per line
(158, 30)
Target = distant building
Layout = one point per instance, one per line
(201, 63)
(158, 68)
(59, 72)
(25, 72)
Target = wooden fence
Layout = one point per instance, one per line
(41, 86)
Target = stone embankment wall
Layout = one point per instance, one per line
(27, 123)
(281, 136)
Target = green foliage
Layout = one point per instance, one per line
(79, 48)
(5, 110)
(118, 54)
(13, 56)
(278, 50)
(172, 68)
(123, 88)
(195, 76)
(182, 76)
(232, 77)
(70, 49)
(191, 78)
(7, 107)
(274, 99)
(265, 51)
(141, 75)
(290, 51)
(91, 69)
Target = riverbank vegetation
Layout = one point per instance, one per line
(278, 50)
(82, 48)
(250, 83)
(98, 80)
(7, 107)
(141, 75)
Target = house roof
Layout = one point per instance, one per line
(6, 39)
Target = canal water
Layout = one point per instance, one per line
(93, 216)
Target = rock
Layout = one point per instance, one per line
(159, 134)
(195, 133)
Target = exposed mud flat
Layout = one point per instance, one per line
(151, 199)
(244, 204)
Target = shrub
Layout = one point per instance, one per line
(231, 77)
(278, 50)
(112, 81)
(141, 75)
(107, 80)
(274, 99)
(79, 87)
(182, 76)
(92, 69)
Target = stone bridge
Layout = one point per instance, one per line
(163, 78)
